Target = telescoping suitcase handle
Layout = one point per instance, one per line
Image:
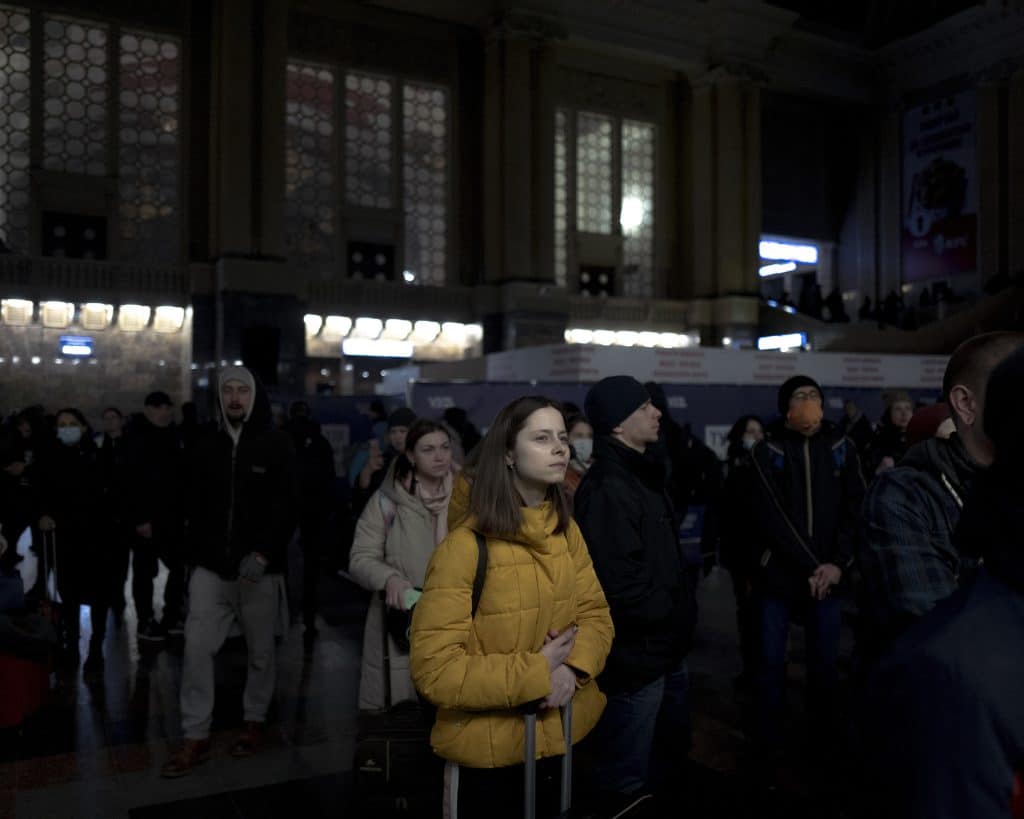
(530, 754)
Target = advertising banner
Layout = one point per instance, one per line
(940, 188)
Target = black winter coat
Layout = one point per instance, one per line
(74, 494)
(631, 531)
(805, 496)
(154, 478)
(945, 728)
(244, 497)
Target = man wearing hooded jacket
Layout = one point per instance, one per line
(242, 514)
(806, 489)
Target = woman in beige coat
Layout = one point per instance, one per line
(395, 537)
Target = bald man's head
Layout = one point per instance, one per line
(965, 381)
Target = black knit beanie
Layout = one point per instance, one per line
(401, 417)
(612, 400)
(791, 386)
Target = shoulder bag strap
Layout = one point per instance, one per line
(481, 572)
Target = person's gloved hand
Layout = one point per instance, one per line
(252, 567)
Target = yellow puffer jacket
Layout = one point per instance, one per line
(458, 504)
(479, 671)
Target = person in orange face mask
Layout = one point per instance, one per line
(806, 489)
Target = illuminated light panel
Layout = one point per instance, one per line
(579, 335)
(313, 323)
(17, 311)
(380, 348)
(56, 313)
(96, 316)
(168, 319)
(132, 318)
(396, 329)
(647, 339)
(626, 338)
(453, 332)
(337, 326)
(369, 328)
(788, 251)
(787, 341)
(776, 269)
(425, 332)
(605, 338)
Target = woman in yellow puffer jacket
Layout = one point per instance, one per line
(542, 630)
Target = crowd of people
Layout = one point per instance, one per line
(550, 561)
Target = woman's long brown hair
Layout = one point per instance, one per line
(494, 500)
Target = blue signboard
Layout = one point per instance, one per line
(76, 346)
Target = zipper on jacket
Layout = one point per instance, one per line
(807, 483)
(778, 505)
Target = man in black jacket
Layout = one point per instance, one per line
(315, 469)
(945, 715)
(155, 513)
(806, 490)
(631, 530)
(242, 514)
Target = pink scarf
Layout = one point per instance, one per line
(437, 504)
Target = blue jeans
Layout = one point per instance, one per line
(821, 627)
(642, 733)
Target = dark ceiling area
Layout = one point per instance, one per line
(873, 23)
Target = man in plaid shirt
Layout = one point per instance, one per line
(909, 562)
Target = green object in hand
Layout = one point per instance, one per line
(411, 598)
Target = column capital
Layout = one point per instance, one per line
(730, 73)
(516, 25)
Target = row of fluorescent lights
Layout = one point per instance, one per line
(131, 318)
(389, 338)
(630, 338)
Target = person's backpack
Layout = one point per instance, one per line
(396, 771)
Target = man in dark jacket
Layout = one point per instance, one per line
(631, 530)
(909, 562)
(242, 514)
(315, 467)
(113, 464)
(945, 715)
(155, 513)
(805, 497)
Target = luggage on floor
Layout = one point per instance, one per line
(24, 685)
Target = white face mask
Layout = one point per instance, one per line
(584, 448)
(749, 441)
(69, 435)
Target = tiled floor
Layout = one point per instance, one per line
(96, 749)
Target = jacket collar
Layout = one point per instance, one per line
(947, 458)
(992, 525)
(640, 465)
(778, 431)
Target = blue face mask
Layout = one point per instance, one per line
(69, 436)
(749, 441)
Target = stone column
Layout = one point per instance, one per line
(518, 182)
(724, 211)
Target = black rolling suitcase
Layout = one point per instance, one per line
(635, 808)
(395, 769)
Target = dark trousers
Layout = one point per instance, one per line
(822, 627)
(311, 538)
(643, 735)
(145, 556)
(746, 622)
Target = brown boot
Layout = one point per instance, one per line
(194, 752)
(250, 741)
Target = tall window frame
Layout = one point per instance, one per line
(580, 205)
(78, 132)
(366, 210)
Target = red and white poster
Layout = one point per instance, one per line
(940, 188)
